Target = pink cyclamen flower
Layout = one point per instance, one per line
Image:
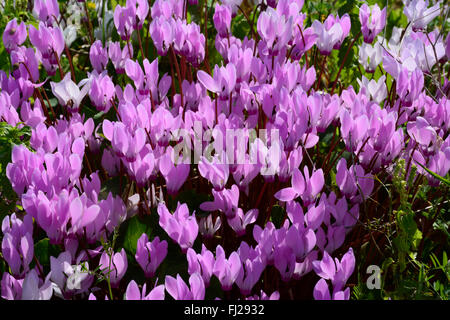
(226, 270)
(175, 175)
(418, 13)
(180, 226)
(222, 20)
(240, 221)
(202, 263)
(125, 143)
(328, 35)
(98, 56)
(101, 92)
(46, 11)
(336, 271)
(302, 185)
(133, 292)
(345, 24)
(49, 42)
(372, 21)
(179, 290)
(215, 171)
(150, 255)
(275, 30)
(34, 288)
(125, 20)
(17, 243)
(14, 35)
(119, 56)
(114, 266)
(11, 288)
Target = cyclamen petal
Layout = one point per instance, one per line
(321, 290)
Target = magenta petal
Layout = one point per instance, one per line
(156, 294)
(207, 81)
(317, 182)
(89, 215)
(298, 182)
(321, 290)
(286, 194)
(132, 292)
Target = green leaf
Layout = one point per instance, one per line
(43, 250)
(435, 175)
(240, 27)
(134, 228)
(112, 185)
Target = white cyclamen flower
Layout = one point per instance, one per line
(68, 93)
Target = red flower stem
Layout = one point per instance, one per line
(152, 101)
(61, 72)
(304, 44)
(206, 60)
(91, 35)
(140, 43)
(177, 67)
(115, 108)
(362, 147)
(343, 61)
(333, 162)
(69, 57)
(48, 101)
(128, 45)
(261, 193)
(172, 73)
(88, 164)
(321, 71)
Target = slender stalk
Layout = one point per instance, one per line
(334, 161)
(343, 61)
(261, 193)
(304, 44)
(38, 266)
(140, 43)
(173, 80)
(206, 60)
(109, 277)
(177, 67)
(88, 164)
(129, 48)
(217, 116)
(72, 70)
(321, 72)
(115, 108)
(146, 201)
(91, 34)
(61, 72)
(48, 101)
